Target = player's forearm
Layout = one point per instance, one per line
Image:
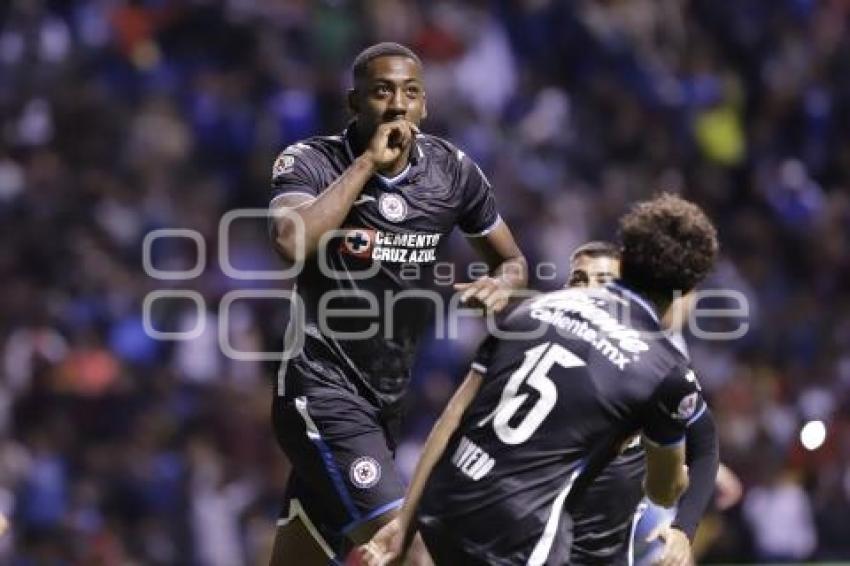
(431, 453)
(434, 448)
(703, 459)
(322, 214)
(665, 478)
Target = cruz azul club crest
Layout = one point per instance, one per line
(283, 165)
(393, 207)
(358, 242)
(687, 406)
(364, 472)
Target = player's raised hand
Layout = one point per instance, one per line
(389, 142)
(491, 293)
(677, 547)
(385, 547)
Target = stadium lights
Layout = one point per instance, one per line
(812, 435)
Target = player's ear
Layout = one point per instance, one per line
(353, 103)
(424, 106)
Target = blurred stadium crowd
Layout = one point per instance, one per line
(120, 117)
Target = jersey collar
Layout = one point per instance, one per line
(675, 339)
(633, 296)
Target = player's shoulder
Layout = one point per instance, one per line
(662, 361)
(440, 151)
(658, 357)
(316, 148)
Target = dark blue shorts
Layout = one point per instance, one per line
(341, 452)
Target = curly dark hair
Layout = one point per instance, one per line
(669, 245)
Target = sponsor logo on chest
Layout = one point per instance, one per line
(379, 245)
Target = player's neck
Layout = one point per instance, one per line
(398, 166)
(661, 303)
(665, 310)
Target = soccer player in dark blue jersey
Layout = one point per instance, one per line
(365, 213)
(551, 398)
(614, 520)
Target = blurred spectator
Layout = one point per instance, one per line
(780, 516)
(121, 117)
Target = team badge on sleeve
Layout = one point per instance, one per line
(392, 207)
(687, 406)
(283, 165)
(364, 472)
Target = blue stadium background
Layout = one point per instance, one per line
(121, 117)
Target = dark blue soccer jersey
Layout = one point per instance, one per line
(604, 518)
(571, 378)
(368, 278)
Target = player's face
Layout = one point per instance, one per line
(586, 271)
(392, 89)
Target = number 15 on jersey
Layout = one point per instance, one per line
(533, 372)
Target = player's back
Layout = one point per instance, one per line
(568, 381)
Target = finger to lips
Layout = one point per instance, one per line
(395, 136)
(405, 133)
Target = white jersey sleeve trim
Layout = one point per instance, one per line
(272, 203)
(696, 417)
(485, 231)
(478, 367)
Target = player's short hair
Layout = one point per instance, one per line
(669, 245)
(385, 49)
(597, 248)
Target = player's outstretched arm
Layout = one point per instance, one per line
(702, 454)
(392, 544)
(666, 474)
(702, 457)
(508, 270)
(300, 220)
(675, 405)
